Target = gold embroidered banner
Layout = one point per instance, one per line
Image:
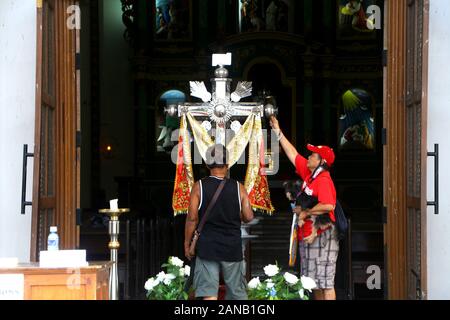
(256, 182)
(201, 136)
(235, 147)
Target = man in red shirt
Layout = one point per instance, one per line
(317, 185)
(319, 257)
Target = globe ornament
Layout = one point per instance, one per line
(221, 72)
(270, 110)
(206, 125)
(171, 110)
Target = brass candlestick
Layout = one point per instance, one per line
(114, 245)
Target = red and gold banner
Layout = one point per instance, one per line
(184, 178)
(256, 182)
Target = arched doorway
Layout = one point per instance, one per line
(268, 77)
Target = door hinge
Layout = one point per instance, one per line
(384, 215)
(78, 216)
(384, 58)
(78, 139)
(77, 61)
(384, 136)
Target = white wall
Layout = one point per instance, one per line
(438, 226)
(17, 102)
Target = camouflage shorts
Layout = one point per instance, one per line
(318, 260)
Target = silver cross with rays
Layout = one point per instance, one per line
(221, 106)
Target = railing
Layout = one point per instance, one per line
(148, 244)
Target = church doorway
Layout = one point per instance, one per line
(334, 83)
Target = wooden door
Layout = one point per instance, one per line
(416, 82)
(56, 167)
(405, 95)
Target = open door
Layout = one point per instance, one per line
(405, 156)
(416, 142)
(56, 165)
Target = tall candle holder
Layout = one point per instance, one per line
(114, 245)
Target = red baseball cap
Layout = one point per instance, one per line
(326, 153)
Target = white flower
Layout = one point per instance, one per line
(254, 283)
(271, 270)
(290, 278)
(168, 279)
(301, 292)
(308, 283)
(170, 276)
(269, 284)
(151, 284)
(161, 276)
(177, 262)
(187, 271)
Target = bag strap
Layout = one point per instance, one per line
(311, 179)
(211, 205)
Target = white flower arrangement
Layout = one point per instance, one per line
(254, 283)
(151, 284)
(271, 270)
(308, 283)
(278, 286)
(169, 284)
(177, 262)
(290, 278)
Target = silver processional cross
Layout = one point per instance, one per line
(221, 106)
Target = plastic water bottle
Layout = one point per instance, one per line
(53, 239)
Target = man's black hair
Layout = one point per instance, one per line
(216, 156)
(323, 165)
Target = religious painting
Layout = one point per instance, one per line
(266, 15)
(173, 20)
(166, 124)
(356, 122)
(355, 21)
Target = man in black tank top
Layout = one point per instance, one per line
(219, 247)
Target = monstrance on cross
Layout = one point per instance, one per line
(221, 106)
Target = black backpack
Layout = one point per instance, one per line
(341, 221)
